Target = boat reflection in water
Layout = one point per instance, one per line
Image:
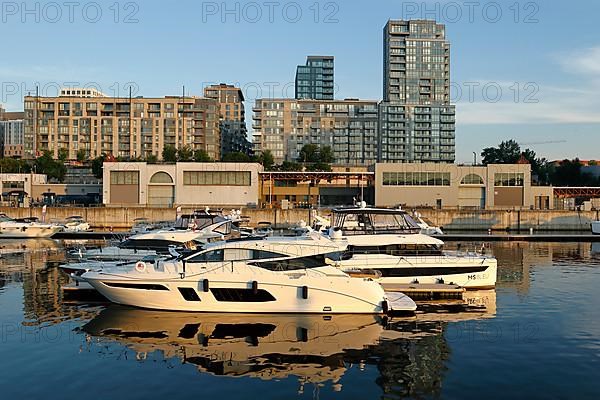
(314, 348)
(264, 346)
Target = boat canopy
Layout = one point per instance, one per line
(369, 221)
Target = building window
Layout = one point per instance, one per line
(509, 179)
(124, 178)
(217, 178)
(472, 179)
(161, 177)
(416, 179)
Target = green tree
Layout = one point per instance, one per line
(267, 160)
(45, 164)
(326, 155)
(309, 154)
(97, 164)
(185, 154)
(82, 155)
(508, 152)
(288, 166)
(14, 166)
(151, 159)
(569, 173)
(201, 156)
(315, 159)
(236, 157)
(63, 154)
(169, 154)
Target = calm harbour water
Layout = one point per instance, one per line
(536, 336)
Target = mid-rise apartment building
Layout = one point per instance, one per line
(127, 127)
(11, 138)
(315, 79)
(349, 126)
(232, 118)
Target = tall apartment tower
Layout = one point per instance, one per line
(417, 122)
(232, 118)
(315, 80)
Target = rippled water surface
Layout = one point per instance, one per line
(536, 336)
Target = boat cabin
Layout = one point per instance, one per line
(373, 221)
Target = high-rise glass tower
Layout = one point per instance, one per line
(417, 122)
(314, 80)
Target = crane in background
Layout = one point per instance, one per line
(544, 142)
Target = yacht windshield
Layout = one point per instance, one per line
(5, 218)
(373, 222)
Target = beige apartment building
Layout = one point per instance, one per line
(125, 127)
(349, 126)
(450, 185)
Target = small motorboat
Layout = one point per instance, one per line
(76, 223)
(26, 228)
(263, 229)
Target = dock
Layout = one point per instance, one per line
(419, 291)
(94, 235)
(509, 237)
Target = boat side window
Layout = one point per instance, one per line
(366, 250)
(292, 264)
(237, 254)
(208, 256)
(264, 254)
(412, 250)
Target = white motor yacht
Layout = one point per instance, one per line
(158, 242)
(26, 228)
(283, 275)
(387, 244)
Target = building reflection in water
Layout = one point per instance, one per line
(410, 355)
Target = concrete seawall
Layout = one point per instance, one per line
(497, 220)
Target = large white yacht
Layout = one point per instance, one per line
(282, 275)
(26, 228)
(387, 243)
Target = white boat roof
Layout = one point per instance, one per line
(301, 245)
(391, 239)
(175, 236)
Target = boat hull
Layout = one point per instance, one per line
(248, 290)
(28, 231)
(467, 272)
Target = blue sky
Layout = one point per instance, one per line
(533, 66)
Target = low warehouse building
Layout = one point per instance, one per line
(457, 186)
(185, 183)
